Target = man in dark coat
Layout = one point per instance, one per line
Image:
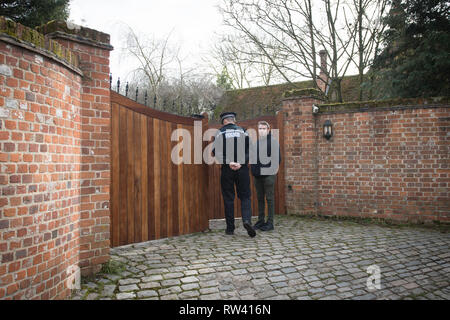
(231, 148)
(264, 172)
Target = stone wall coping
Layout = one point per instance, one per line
(30, 39)
(384, 105)
(381, 109)
(46, 53)
(305, 93)
(73, 32)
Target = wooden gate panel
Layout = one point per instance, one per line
(153, 198)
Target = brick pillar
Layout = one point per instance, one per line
(300, 132)
(93, 48)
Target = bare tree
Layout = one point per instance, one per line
(227, 55)
(341, 45)
(245, 64)
(367, 14)
(296, 28)
(155, 58)
(258, 20)
(161, 73)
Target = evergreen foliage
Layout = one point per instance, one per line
(224, 80)
(33, 13)
(416, 59)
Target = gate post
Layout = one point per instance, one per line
(300, 141)
(93, 48)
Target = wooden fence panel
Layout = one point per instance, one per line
(151, 197)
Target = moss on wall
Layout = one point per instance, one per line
(367, 105)
(310, 92)
(35, 39)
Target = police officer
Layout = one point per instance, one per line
(231, 148)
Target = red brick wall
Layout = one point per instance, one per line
(300, 155)
(390, 163)
(95, 154)
(387, 164)
(40, 140)
(54, 163)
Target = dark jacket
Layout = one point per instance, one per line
(264, 147)
(238, 139)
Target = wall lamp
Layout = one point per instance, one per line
(328, 129)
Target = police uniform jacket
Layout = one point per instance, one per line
(231, 136)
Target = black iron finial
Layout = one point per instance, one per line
(137, 91)
(154, 101)
(145, 97)
(126, 90)
(118, 85)
(110, 81)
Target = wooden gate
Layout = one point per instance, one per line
(153, 198)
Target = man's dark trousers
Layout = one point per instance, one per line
(265, 189)
(241, 178)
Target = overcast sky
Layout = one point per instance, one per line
(192, 23)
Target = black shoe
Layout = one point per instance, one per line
(229, 233)
(267, 227)
(251, 232)
(258, 224)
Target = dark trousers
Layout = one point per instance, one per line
(240, 179)
(265, 189)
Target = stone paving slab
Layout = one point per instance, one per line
(303, 258)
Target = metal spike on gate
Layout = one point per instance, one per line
(145, 98)
(126, 90)
(118, 85)
(137, 90)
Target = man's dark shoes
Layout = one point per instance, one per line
(251, 232)
(267, 227)
(229, 232)
(258, 224)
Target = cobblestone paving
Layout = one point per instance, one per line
(302, 259)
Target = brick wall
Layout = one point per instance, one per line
(93, 51)
(300, 154)
(389, 162)
(51, 109)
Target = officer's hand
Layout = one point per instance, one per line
(235, 166)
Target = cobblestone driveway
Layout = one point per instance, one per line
(301, 259)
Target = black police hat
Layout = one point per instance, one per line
(225, 115)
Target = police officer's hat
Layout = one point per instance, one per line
(225, 115)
